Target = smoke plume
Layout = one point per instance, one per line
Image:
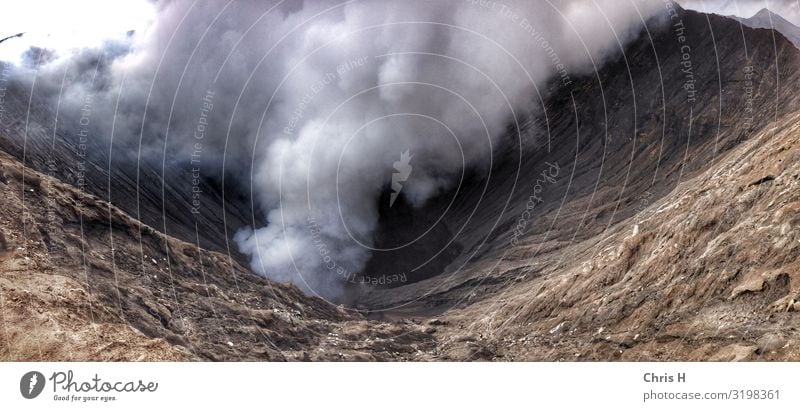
(312, 103)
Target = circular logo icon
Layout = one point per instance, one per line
(31, 384)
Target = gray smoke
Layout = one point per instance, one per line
(322, 98)
(439, 80)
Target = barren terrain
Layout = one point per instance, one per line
(671, 231)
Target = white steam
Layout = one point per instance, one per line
(323, 97)
(439, 79)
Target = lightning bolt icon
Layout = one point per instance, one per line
(403, 169)
(34, 380)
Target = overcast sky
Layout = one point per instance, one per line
(788, 9)
(74, 24)
(67, 25)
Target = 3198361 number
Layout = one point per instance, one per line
(755, 394)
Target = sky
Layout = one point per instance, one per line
(788, 9)
(66, 25)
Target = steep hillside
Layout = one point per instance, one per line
(766, 19)
(650, 212)
(709, 272)
(156, 189)
(621, 139)
(82, 280)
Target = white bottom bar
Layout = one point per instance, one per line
(409, 386)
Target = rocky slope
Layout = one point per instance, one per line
(668, 232)
(766, 19)
(156, 189)
(82, 280)
(709, 272)
(621, 139)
